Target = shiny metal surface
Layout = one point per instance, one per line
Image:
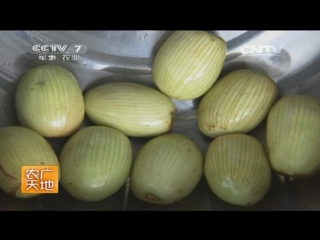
(291, 58)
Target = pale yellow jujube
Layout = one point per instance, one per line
(237, 169)
(95, 163)
(19, 147)
(188, 64)
(134, 109)
(49, 101)
(166, 169)
(237, 103)
(293, 136)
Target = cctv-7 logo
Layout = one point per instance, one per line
(78, 47)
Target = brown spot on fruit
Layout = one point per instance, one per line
(211, 126)
(152, 197)
(40, 83)
(70, 184)
(171, 123)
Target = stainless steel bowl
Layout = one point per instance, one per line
(291, 58)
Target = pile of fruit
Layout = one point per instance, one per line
(96, 161)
